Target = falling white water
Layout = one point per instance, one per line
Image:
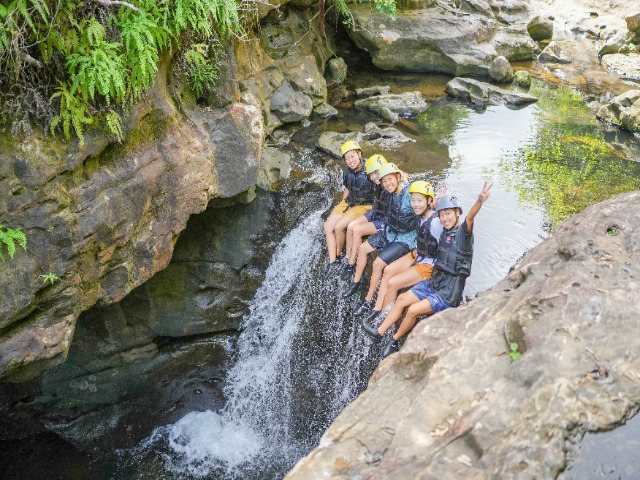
(261, 432)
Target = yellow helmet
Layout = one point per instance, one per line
(387, 169)
(374, 162)
(350, 145)
(423, 187)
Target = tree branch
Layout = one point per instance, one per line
(111, 3)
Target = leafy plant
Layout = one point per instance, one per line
(202, 74)
(514, 354)
(8, 240)
(73, 111)
(630, 47)
(50, 276)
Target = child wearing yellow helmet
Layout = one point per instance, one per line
(416, 265)
(452, 267)
(356, 201)
(397, 239)
(371, 222)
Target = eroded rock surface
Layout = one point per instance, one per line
(480, 94)
(451, 404)
(442, 39)
(624, 111)
(385, 138)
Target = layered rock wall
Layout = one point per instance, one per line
(104, 218)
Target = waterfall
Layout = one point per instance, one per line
(300, 360)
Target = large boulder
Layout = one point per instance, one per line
(627, 64)
(392, 106)
(633, 22)
(452, 404)
(540, 28)
(384, 138)
(440, 40)
(623, 111)
(501, 71)
(480, 94)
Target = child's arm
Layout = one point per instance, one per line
(473, 211)
(441, 193)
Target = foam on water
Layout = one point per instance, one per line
(254, 423)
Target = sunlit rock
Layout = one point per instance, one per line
(623, 111)
(441, 39)
(540, 28)
(480, 94)
(501, 71)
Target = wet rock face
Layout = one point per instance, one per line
(442, 39)
(104, 219)
(624, 111)
(451, 404)
(479, 94)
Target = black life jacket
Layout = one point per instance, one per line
(397, 220)
(380, 202)
(360, 188)
(427, 243)
(451, 257)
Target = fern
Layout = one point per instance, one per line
(202, 74)
(142, 38)
(73, 111)
(114, 124)
(9, 238)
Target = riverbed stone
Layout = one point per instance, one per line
(626, 64)
(623, 111)
(554, 53)
(480, 94)
(511, 11)
(384, 138)
(373, 91)
(540, 28)
(391, 106)
(452, 404)
(335, 72)
(501, 71)
(633, 22)
(522, 78)
(289, 105)
(438, 39)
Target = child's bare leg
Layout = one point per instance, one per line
(329, 232)
(404, 300)
(393, 269)
(408, 278)
(340, 228)
(351, 228)
(364, 250)
(360, 231)
(409, 320)
(376, 275)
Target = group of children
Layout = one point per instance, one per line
(420, 240)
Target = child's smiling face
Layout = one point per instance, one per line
(352, 159)
(448, 217)
(419, 203)
(389, 183)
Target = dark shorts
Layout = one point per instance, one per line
(423, 291)
(387, 251)
(378, 221)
